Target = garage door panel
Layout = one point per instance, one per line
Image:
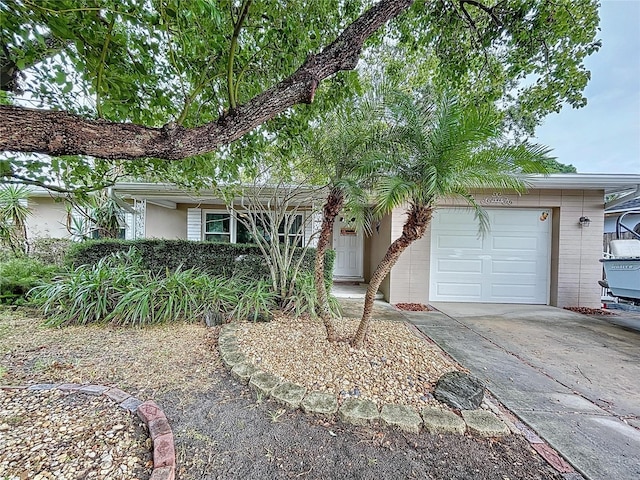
(520, 243)
(454, 217)
(512, 294)
(515, 267)
(456, 289)
(510, 264)
(452, 265)
(459, 241)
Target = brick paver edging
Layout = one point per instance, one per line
(164, 453)
(354, 411)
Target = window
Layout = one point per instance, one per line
(217, 227)
(95, 234)
(226, 228)
(295, 234)
(243, 235)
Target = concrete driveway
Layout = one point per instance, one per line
(573, 378)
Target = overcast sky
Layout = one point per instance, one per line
(604, 137)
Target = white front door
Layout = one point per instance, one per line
(348, 244)
(510, 264)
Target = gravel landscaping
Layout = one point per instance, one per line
(55, 434)
(394, 366)
(222, 429)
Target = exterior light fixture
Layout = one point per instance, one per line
(584, 221)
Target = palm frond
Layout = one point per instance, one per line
(480, 214)
(393, 192)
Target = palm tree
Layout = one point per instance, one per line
(447, 149)
(13, 216)
(347, 150)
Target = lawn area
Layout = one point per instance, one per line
(222, 430)
(143, 361)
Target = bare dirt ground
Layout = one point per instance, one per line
(222, 430)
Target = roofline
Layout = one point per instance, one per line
(609, 182)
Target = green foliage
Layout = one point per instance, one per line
(14, 212)
(448, 149)
(19, 275)
(120, 289)
(160, 61)
(160, 299)
(553, 166)
(90, 293)
(223, 259)
(49, 250)
(220, 295)
(104, 215)
(256, 301)
(525, 55)
(304, 300)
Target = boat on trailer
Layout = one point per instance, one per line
(622, 265)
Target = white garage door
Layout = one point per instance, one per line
(510, 264)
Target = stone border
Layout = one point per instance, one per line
(492, 421)
(481, 422)
(164, 456)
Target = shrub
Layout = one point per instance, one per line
(219, 297)
(256, 301)
(19, 275)
(90, 293)
(304, 299)
(225, 259)
(119, 290)
(160, 299)
(50, 250)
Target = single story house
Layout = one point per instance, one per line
(543, 246)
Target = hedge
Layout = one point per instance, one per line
(224, 259)
(19, 275)
(50, 251)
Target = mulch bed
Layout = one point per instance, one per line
(414, 307)
(589, 311)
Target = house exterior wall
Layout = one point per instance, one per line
(377, 247)
(161, 222)
(411, 272)
(580, 248)
(47, 219)
(575, 250)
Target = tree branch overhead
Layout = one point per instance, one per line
(61, 133)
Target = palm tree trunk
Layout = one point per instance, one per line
(416, 224)
(331, 208)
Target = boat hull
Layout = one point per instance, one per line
(623, 276)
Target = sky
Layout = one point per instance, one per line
(604, 136)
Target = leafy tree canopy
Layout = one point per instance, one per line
(139, 83)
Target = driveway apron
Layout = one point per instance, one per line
(572, 378)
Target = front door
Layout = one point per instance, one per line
(348, 244)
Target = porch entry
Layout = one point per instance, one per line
(349, 246)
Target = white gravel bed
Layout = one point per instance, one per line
(54, 434)
(394, 366)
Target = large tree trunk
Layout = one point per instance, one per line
(333, 205)
(416, 224)
(61, 133)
